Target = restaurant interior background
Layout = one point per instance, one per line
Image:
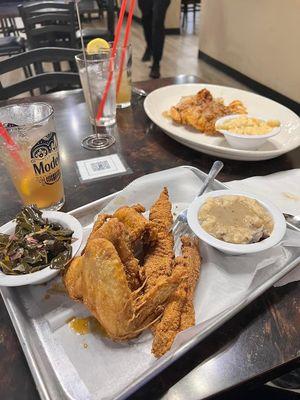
(248, 45)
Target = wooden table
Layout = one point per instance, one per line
(258, 344)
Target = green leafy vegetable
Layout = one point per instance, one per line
(35, 245)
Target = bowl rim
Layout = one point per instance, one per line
(275, 237)
(275, 131)
(47, 273)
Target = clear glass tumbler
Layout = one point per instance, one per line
(94, 72)
(123, 85)
(33, 160)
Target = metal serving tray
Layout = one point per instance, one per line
(38, 321)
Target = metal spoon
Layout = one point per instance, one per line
(139, 92)
(292, 221)
(215, 169)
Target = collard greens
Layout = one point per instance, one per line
(36, 244)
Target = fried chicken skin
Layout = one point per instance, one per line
(115, 231)
(72, 279)
(201, 111)
(141, 232)
(159, 259)
(123, 313)
(179, 313)
(126, 297)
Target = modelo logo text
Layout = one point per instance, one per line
(45, 159)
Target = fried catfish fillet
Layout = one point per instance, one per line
(105, 292)
(159, 259)
(201, 111)
(179, 313)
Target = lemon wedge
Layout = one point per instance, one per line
(95, 45)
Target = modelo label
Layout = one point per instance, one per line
(45, 159)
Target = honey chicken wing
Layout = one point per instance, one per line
(72, 278)
(140, 231)
(105, 292)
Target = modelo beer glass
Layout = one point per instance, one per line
(33, 162)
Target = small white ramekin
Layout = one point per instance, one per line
(232, 248)
(245, 142)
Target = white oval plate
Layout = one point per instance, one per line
(67, 221)
(162, 99)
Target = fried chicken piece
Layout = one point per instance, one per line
(159, 259)
(115, 231)
(72, 278)
(141, 232)
(105, 292)
(201, 111)
(179, 313)
(101, 218)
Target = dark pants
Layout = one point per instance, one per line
(153, 21)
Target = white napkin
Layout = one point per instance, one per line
(283, 189)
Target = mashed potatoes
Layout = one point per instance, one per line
(235, 219)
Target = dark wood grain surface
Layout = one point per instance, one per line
(257, 344)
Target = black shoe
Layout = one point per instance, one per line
(146, 56)
(155, 72)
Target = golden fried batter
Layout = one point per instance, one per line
(159, 259)
(107, 276)
(114, 231)
(201, 111)
(141, 232)
(72, 279)
(179, 313)
(105, 292)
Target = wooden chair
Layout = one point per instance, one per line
(45, 80)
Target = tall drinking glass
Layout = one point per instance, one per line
(124, 89)
(33, 161)
(94, 72)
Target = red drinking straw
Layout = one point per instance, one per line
(13, 147)
(126, 37)
(113, 51)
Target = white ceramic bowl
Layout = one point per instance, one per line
(232, 248)
(245, 142)
(67, 221)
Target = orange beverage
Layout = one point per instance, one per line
(124, 93)
(37, 177)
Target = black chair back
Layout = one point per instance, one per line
(57, 80)
(49, 24)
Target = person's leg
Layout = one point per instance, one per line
(147, 14)
(158, 34)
